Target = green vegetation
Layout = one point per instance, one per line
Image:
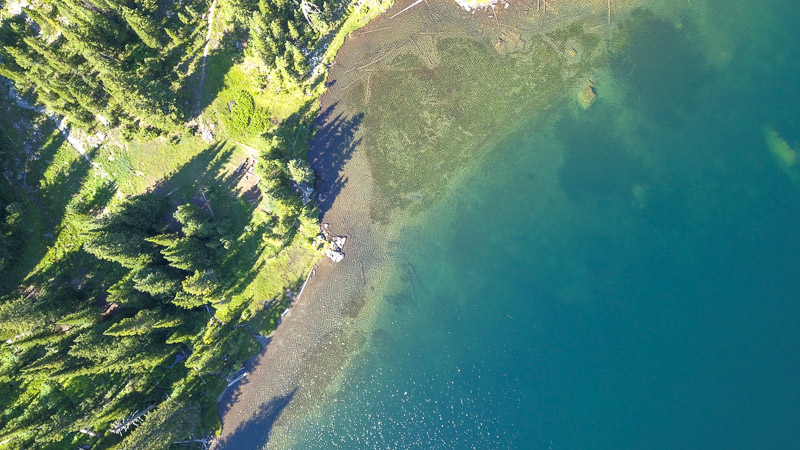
(125, 61)
(127, 275)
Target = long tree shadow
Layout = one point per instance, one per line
(57, 190)
(241, 263)
(200, 172)
(254, 432)
(181, 57)
(295, 131)
(204, 182)
(51, 185)
(332, 147)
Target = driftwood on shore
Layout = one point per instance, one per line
(407, 8)
(131, 421)
(205, 443)
(308, 277)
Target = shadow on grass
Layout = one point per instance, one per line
(48, 207)
(56, 193)
(331, 148)
(219, 63)
(202, 171)
(203, 181)
(99, 198)
(295, 130)
(241, 265)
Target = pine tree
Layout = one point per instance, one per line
(202, 284)
(195, 222)
(259, 46)
(128, 248)
(144, 212)
(144, 322)
(131, 353)
(172, 421)
(144, 27)
(300, 172)
(124, 293)
(187, 254)
(188, 301)
(158, 281)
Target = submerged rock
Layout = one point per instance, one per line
(640, 193)
(780, 149)
(587, 95)
(783, 154)
(509, 42)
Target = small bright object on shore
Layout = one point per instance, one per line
(471, 5)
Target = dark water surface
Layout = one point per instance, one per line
(622, 277)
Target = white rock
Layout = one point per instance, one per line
(334, 255)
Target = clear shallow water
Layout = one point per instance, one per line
(622, 277)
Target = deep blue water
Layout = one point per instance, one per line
(628, 279)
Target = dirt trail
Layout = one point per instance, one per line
(251, 152)
(198, 95)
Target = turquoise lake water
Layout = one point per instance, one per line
(622, 277)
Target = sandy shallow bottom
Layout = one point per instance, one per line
(322, 330)
(309, 352)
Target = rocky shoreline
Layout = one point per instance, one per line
(322, 329)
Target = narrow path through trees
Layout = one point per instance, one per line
(198, 95)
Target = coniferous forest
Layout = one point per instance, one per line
(155, 216)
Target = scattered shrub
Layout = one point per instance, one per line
(260, 121)
(240, 109)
